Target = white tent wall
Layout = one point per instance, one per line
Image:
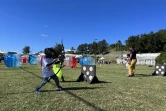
(144, 59)
(119, 61)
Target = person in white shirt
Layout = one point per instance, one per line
(127, 61)
(47, 71)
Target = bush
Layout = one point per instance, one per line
(161, 59)
(113, 61)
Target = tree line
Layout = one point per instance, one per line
(151, 42)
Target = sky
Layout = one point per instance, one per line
(43, 23)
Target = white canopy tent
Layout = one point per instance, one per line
(78, 56)
(41, 54)
(1, 52)
(102, 58)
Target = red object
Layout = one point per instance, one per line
(74, 61)
(24, 59)
(41, 60)
(70, 61)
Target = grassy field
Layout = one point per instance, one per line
(115, 92)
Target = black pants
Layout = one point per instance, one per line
(62, 78)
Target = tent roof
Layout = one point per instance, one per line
(41, 53)
(102, 58)
(78, 56)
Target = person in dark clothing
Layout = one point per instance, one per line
(132, 61)
(0, 58)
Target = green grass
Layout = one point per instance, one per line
(116, 92)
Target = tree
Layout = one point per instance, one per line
(72, 48)
(148, 43)
(164, 48)
(26, 50)
(145, 43)
(102, 46)
(161, 35)
(58, 49)
(161, 59)
(12, 52)
(83, 48)
(92, 48)
(133, 40)
(118, 45)
(112, 45)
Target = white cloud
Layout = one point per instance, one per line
(44, 35)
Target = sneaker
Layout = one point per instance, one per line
(130, 75)
(60, 88)
(37, 92)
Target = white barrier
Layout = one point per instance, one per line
(142, 59)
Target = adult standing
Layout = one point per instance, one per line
(132, 61)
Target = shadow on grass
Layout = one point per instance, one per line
(143, 75)
(70, 93)
(16, 78)
(72, 88)
(28, 92)
(84, 101)
(80, 88)
(92, 83)
(67, 81)
(64, 89)
(31, 73)
(102, 82)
